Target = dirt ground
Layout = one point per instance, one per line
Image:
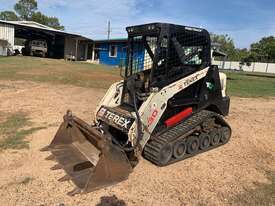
(213, 178)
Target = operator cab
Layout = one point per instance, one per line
(160, 54)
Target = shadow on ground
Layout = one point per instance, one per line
(262, 194)
(111, 201)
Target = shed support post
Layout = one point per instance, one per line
(76, 50)
(93, 52)
(86, 52)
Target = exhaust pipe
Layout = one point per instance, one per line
(90, 160)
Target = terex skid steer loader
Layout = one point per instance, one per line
(169, 107)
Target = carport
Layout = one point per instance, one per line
(60, 44)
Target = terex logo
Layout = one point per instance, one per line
(182, 84)
(191, 80)
(120, 121)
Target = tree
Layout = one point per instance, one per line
(264, 50)
(54, 23)
(242, 55)
(247, 59)
(39, 18)
(225, 44)
(8, 16)
(26, 8)
(48, 21)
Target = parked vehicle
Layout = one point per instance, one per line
(36, 48)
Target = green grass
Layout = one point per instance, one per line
(244, 84)
(263, 194)
(57, 72)
(241, 84)
(13, 136)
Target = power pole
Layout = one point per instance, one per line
(109, 29)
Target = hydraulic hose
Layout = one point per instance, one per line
(131, 86)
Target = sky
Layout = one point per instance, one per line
(244, 21)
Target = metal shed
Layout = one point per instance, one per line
(6, 38)
(60, 44)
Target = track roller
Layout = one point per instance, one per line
(193, 144)
(180, 148)
(215, 136)
(204, 141)
(226, 134)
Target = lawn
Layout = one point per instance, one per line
(247, 84)
(240, 84)
(57, 72)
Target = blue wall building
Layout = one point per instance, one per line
(111, 52)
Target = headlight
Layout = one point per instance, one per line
(151, 27)
(131, 29)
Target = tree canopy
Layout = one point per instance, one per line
(28, 10)
(9, 16)
(46, 20)
(262, 51)
(226, 44)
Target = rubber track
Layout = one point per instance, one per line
(180, 131)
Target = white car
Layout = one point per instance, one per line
(37, 48)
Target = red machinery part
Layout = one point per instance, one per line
(179, 117)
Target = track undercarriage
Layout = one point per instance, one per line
(201, 132)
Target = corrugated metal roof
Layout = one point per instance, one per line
(35, 25)
(111, 40)
(219, 53)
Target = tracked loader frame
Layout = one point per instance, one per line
(169, 107)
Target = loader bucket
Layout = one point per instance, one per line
(90, 160)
